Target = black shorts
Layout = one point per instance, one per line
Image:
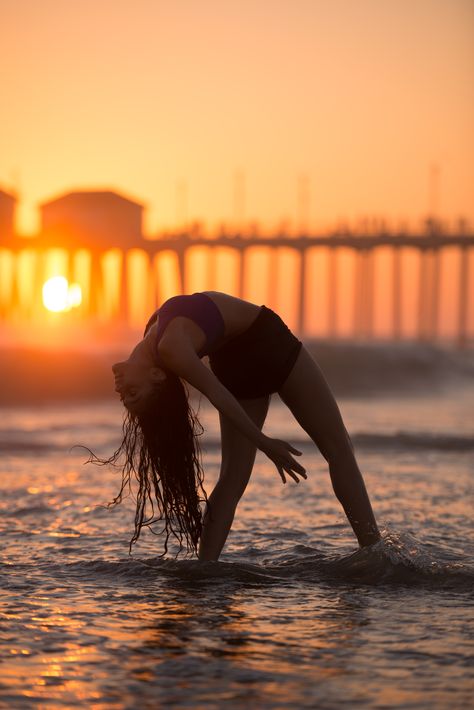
(258, 361)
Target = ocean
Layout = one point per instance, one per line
(293, 615)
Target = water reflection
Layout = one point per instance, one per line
(245, 634)
(174, 632)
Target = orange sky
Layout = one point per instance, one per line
(136, 95)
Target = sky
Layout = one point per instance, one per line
(179, 104)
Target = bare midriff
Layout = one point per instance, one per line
(238, 315)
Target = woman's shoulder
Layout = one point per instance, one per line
(151, 321)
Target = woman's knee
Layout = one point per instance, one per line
(335, 449)
(230, 488)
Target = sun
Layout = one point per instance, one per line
(59, 295)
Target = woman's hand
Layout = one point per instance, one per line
(280, 453)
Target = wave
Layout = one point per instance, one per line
(17, 442)
(408, 367)
(23, 447)
(405, 440)
(352, 369)
(401, 559)
(397, 559)
(414, 440)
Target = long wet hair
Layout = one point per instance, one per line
(160, 449)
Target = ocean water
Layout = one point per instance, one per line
(292, 616)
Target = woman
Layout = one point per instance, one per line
(252, 354)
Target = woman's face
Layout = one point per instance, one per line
(135, 382)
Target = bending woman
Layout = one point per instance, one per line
(252, 355)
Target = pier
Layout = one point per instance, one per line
(429, 247)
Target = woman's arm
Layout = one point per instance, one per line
(178, 355)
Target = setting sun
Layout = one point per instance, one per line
(58, 295)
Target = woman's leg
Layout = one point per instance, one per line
(307, 394)
(238, 457)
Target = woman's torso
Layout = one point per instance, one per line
(237, 316)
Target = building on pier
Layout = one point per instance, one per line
(92, 220)
(7, 217)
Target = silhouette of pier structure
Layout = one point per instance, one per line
(100, 222)
(429, 246)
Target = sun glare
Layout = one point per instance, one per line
(59, 296)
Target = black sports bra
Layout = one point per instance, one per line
(199, 308)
